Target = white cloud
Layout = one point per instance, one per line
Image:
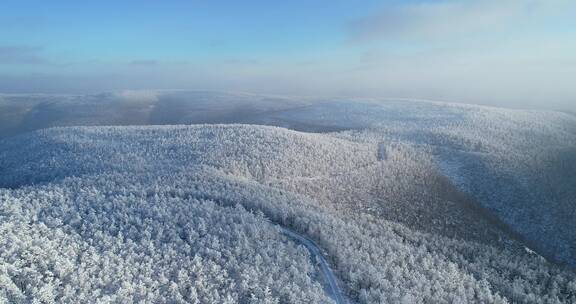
(453, 20)
(508, 53)
(18, 54)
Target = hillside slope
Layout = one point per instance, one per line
(188, 213)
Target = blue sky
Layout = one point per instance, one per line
(117, 31)
(516, 52)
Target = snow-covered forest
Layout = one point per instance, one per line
(410, 201)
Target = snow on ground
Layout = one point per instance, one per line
(394, 200)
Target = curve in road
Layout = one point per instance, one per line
(334, 290)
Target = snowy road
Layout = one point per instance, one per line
(334, 291)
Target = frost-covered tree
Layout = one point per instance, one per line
(190, 214)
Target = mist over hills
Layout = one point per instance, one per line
(412, 201)
(21, 113)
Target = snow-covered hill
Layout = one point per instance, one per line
(520, 165)
(169, 214)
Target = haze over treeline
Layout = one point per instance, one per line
(516, 53)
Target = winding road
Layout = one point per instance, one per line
(332, 286)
